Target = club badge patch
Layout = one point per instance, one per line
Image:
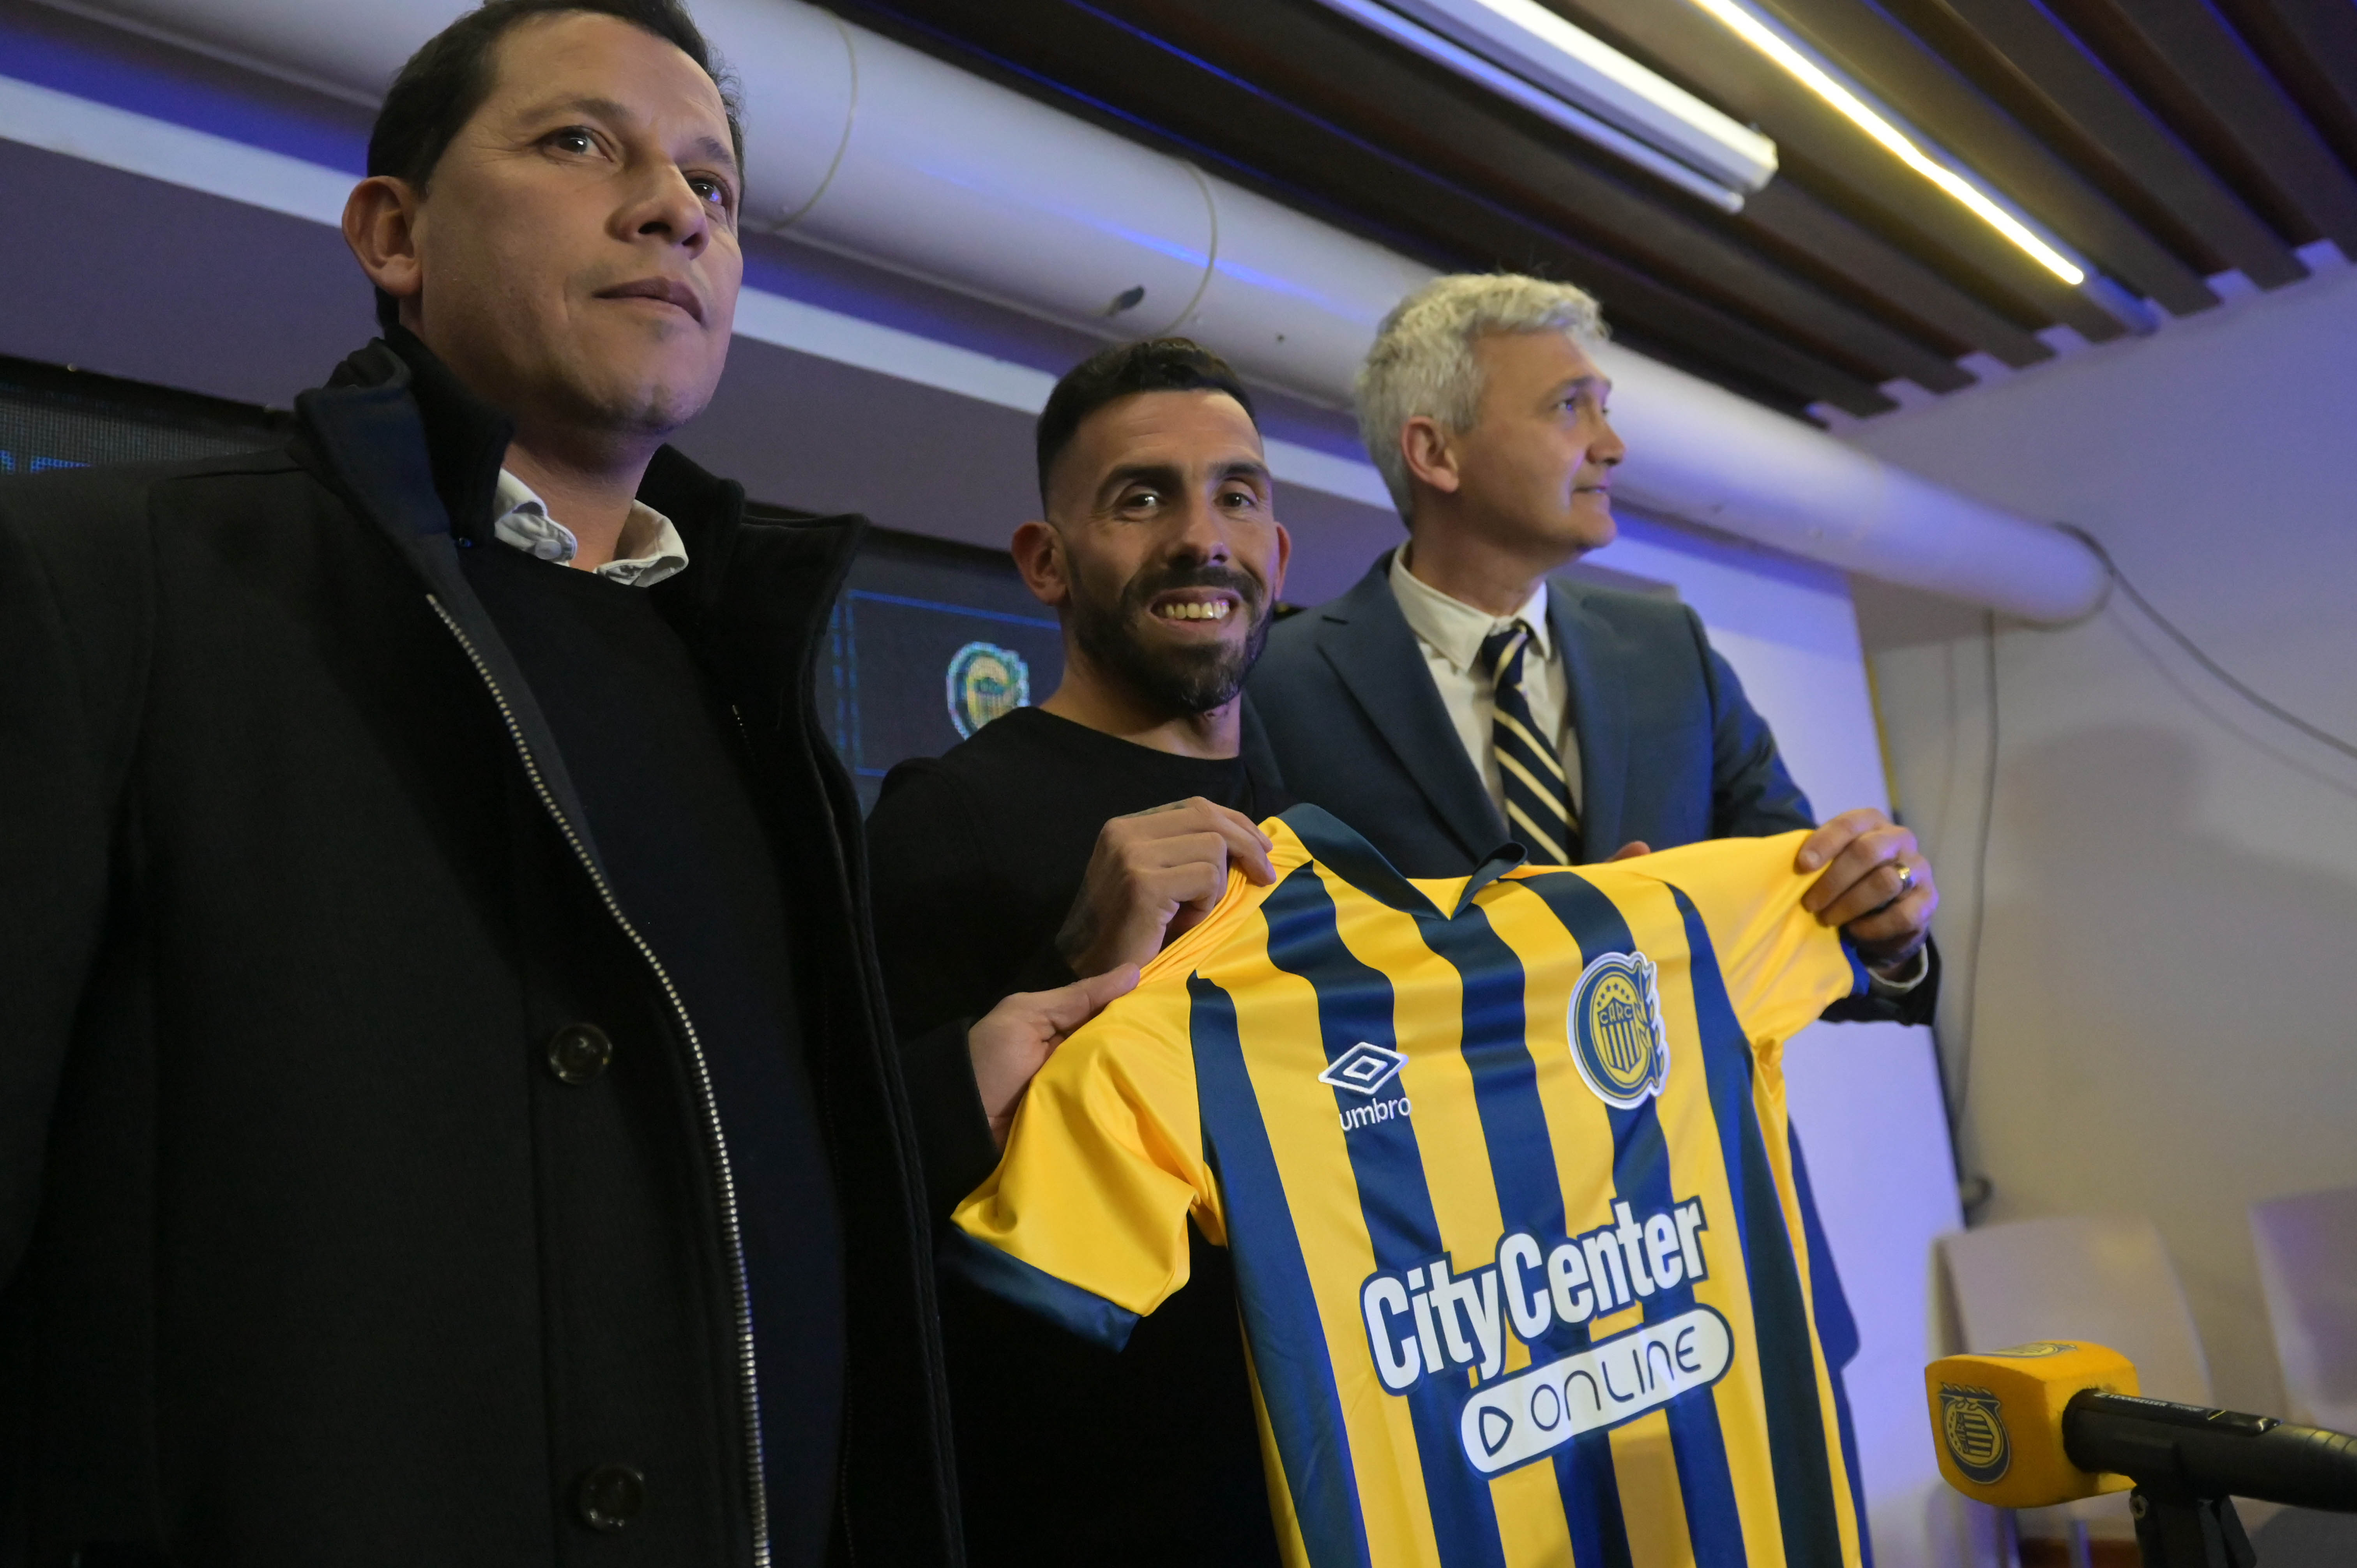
(1617, 1035)
(986, 682)
(1974, 1431)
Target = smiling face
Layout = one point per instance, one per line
(1167, 555)
(1535, 470)
(575, 257)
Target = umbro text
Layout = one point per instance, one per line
(1374, 1110)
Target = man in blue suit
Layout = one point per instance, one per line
(1461, 696)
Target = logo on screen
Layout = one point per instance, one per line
(1616, 1035)
(986, 682)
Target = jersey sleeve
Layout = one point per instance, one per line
(1781, 966)
(1084, 1221)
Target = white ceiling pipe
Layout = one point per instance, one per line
(872, 149)
(1699, 451)
(935, 172)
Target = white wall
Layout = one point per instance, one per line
(1865, 1096)
(2167, 1002)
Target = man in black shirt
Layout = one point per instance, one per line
(1071, 840)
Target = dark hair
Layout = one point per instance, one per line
(1158, 364)
(445, 82)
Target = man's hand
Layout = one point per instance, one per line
(1876, 886)
(1014, 1039)
(1153, 875)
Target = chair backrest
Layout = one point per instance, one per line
(2105, 1278)
(2308, 1267)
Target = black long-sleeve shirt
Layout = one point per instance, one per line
(1067, 1453)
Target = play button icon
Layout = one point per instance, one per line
(1496, 1427)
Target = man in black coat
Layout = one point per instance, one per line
(445, 1108)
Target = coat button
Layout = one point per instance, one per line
(579, 1052)
(611, 1497)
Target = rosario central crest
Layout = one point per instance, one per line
(985, 681)
(1616, 1035)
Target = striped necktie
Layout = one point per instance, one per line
(1538, 796)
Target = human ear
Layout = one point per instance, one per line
(381, 226)
(1039, 552)
(1430, 456)
(1276, 567)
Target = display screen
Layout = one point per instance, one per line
(56, 418)
(930, 642)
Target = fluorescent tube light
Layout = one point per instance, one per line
(1814, 77)
(1527, 54)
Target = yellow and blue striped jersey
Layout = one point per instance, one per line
(1504, 1165)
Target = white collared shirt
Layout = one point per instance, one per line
(649, 549)
(1449, 633)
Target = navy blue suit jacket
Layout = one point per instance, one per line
(1670, 752)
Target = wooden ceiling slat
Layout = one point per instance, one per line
(1084, 61)
(1950, 110)
(1817, 146)
(1369, 88)
(1791, 216)
(2312, 47)
(2231, 106)
(2042, 73)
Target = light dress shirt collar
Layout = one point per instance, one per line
(649, 549)
(1455, 630)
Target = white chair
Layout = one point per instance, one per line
(2106, 1279)
(2308, 1267)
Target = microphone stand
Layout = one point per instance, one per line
(2176, 1530)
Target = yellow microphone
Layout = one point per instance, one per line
(2056, 1421)
(1997, 1420)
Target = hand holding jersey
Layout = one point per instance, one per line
(1015, 1037)
(1504, 1165)
(1154, 876)
(1877, 886)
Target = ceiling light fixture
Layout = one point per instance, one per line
(1525, 53)
(1752, 30)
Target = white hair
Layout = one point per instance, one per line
(1423, 361)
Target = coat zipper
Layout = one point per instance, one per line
(740, 1290)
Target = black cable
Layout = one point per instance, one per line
(2193, 650)
(2273, 710)
(1980, 898)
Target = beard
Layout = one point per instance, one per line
(1174, 680)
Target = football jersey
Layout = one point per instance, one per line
(1504, 1167)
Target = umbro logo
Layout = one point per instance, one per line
(1365, 1068)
